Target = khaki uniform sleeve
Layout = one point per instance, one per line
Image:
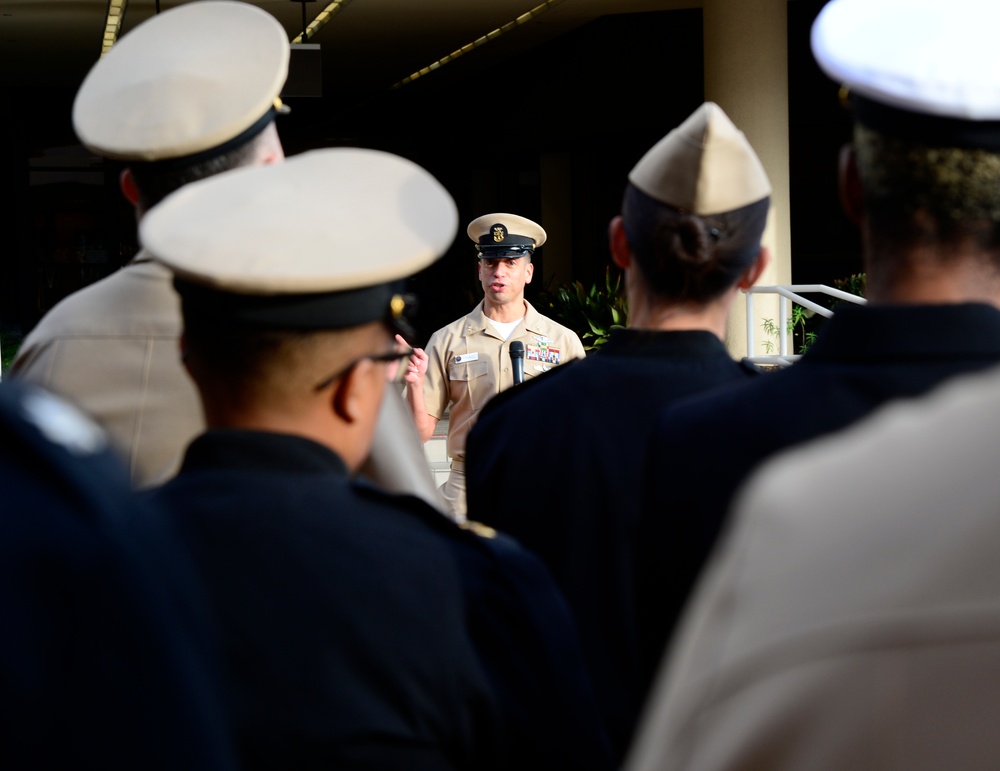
(437, 392)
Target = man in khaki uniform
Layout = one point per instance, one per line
(174, 113)
(189, 93)
(468, 362)
(849, 618)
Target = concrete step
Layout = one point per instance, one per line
(436, 450)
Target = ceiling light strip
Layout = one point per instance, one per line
(321, 19)
(113, 24)
(492, 35)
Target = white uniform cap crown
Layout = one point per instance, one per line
(925, 56)
(704, 166)
(323, 221)
(182, 82)
(480, 228)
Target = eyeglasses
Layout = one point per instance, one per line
(388, 358)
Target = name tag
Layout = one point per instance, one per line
(466, 357)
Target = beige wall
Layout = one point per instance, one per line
(746, 73)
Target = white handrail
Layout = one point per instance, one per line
(788, 294)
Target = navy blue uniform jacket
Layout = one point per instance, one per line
(557, 464)
(703, 449)
(366, 630)
(106, 656)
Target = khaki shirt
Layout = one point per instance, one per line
(468, 364)
(112, 349)
(849, 619)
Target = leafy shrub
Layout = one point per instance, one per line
(803, 337)
(796, 327)
(856, 283)
(591, 313)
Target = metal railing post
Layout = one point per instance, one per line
(788, 294)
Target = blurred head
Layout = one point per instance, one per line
(923, 83)
(296, 324)
(188, 93)
(916, 194)
(154, 181)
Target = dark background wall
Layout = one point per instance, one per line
(825, 244)
(594, 100)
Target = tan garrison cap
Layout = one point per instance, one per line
(505, 234)
(188, 80)
(704, 166)
(312, 243)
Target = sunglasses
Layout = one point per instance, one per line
(387, 358)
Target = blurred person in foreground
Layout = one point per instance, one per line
(688, 238)
(361, 629)
(107, 659)
(172, 114)
(848, 618)
(189, 93)
(922, 180)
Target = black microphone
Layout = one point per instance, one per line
(517, 359)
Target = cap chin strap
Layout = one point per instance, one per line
(504, 252)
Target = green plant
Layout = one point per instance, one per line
(591, 313)
(856, 283)
(796, 325)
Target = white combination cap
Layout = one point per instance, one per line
(505, 234)
(924, 56)
(704, 166)
(313, 243)
(187, 80)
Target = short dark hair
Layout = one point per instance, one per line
(234, 353)
(917, 194)
(158, 179)
(245, 364)
(687, 257)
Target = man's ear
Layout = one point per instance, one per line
(128, 186)
(351, 394)
(621, 254)
(529, 271)
(271, 150)
(849, 184)
(753, 273)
